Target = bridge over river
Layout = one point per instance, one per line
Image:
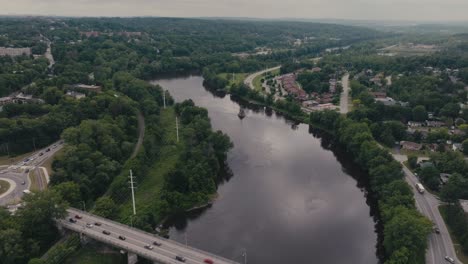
(136, 240)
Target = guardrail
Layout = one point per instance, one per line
(76, 211)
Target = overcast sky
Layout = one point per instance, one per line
(427, 10)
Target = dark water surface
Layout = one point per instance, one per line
(293, 197)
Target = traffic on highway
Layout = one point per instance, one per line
(18, 174)
(136, 241)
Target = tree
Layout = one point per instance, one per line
(105, 207)
(465, 146)
(412, 161)
(430, 176)
(419, 113)
(52, 95)
(407, 229)
(450, 110)
(70, 192)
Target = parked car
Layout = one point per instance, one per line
(180, 258)
(97, 224)
(149, 247)
(122, 238)
(156, 243)
(105, 232)
(208, 261)
(78, 217)
(71, 220)
(449, 259)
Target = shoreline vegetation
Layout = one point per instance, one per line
(397, 211)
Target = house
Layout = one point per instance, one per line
(75, 95)
(332, 85)
(414, 124)
(381, 95)
(434, 123)
(88, 88)
(408, 145)
(6, 100)
(13, 52)
(388, 101)
(444, 177)
(425, 164)
(457, 147)
(316, 69)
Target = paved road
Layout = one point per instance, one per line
(136, 240)
(344, 99)
(17, 173)
(249, 80)
(141, 134)
(440, 245)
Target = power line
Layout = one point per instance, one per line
(133, 191)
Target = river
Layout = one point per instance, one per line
(293, 196)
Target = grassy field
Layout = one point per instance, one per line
(5, 160)
(4, 186)
(33, 178)
(257, 82)
(149, 188)
(238, 77)
(89, 255)
(461, 256)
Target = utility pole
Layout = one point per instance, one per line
(164, 98)
(133, 192)
(177, 128)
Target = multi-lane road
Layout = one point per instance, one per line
(136, 240)
(440, 245)
(17, 174)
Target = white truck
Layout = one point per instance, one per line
(420, 188)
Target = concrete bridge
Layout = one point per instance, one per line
(136, 242)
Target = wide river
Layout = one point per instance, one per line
(294, 196)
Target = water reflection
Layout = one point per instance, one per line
(293, 195)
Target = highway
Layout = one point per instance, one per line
(440, 245)
(17, 173)
(135, 240)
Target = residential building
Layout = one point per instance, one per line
(430, 123)
(88, 88)
(444, 177)
(13, 52)
(414, 124)
(457, 147)
(408, 145)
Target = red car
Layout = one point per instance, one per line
(78, 217)
(208, 261)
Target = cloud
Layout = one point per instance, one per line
(344, 9)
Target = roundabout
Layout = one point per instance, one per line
(6, 187)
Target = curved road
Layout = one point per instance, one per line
(249, 80)
(440, 245)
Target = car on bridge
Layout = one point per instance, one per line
(122, 238)
(149, 247)
(449, 259)
(105, 232)
(180, 258)
(71, 220)
(208, 261)
(78, 216)
(156, 243)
